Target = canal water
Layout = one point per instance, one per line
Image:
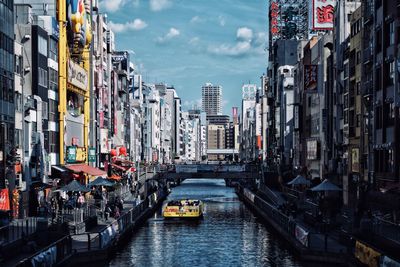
(228, 235)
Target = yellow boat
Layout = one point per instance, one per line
(184, 208)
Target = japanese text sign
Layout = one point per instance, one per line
(310, 78)
(323, 13)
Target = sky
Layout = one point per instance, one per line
(186, 43)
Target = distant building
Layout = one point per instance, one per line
(211, 99)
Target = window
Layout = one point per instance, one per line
(53, 142)
(378, 117)
(18, 102)
(53, 80)
(53, 49)
(391, 33)
(358, 88)
(358, 57)
(52, 110)
(42, 46)
(391, 72)
(18, 138)
(18, 64)
(43, 77)
(358, 120)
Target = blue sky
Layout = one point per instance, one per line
(187, 43)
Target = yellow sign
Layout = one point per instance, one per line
(367, 255)
(355, 160)
(80, 154)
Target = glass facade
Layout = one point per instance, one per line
(7, 109)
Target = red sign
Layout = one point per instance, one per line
(274, 16)
(323, 14)
(4, 199)
(310, 78)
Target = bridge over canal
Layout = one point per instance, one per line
(210, 171)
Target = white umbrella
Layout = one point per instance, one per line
(326, 186)
(299, 180)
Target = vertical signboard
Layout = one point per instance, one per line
(312, 149)
(323, 13)
(4, 199)
(310, 78)
(355, 160)
(274, 14)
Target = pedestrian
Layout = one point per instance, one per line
(81, 200)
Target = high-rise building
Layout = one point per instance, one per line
(7, 109)
(211, 97)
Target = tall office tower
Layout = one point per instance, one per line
(211, 97)
(7, 108)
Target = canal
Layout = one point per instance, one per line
(228, 235)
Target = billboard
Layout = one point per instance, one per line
(77, 76)
(323, 12)
(79, 31)
(312, 149)
(274, 14)
(310, 78)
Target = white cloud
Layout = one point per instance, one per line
(194, 40)
(157, 5)
(244, 33)
(239, 49)
(112, 6)
(195, 19)
(135, 25)
(172, 33)
(221, 20)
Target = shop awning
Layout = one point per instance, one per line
(78, 168)
(59, 168)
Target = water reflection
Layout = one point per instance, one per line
(229, 235)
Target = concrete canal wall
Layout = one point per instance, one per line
(309, 246)
(97, 245)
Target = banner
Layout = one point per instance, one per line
(366, 255)
(248, 194)
(388, 262)
(310, 78)
(4, 199)
(301, 235)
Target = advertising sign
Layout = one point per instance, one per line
(92, 154)
(310, 78)
(301, 235)
(104, 148)
(366, 255)
(312, 149)
(274, 14)
(323, 13)
(4, 199)
(71, 154)
(355, 160)
(77, 76)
